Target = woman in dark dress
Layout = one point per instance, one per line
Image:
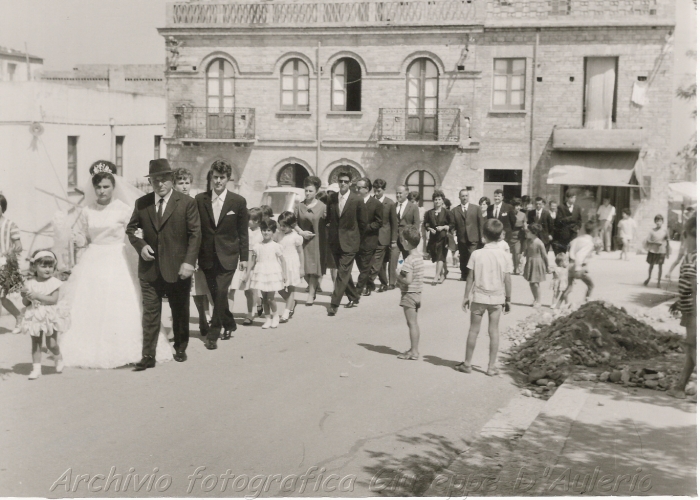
(438, 223)
(484, 203)
(311, 225)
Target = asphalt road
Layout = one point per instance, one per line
(269, 406)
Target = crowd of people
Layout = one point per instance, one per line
(208, 247)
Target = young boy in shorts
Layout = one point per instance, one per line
(580, 250)
(410, 281)
(487, 292)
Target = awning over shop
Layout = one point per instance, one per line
(592, 168)
(685, 189)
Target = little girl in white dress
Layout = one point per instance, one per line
(43, 317)
(241, 280)
(292, 251)
(268, 272)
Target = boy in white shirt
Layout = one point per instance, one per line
(579, 251)
(487, 291)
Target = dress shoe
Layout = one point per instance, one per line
(211, 345)
(463, 278)
(146, 362)
(332, 310)
(367, 292)
(226, 335)
(382, 288)
(391, 287)
(180, 356)
(352, 303)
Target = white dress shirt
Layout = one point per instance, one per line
(217, 203)
(538, 214)
(165, 199)
(400, 207)
(342, 200)
(381, 200)
(465, 207)
(496, 210)
(367, 198)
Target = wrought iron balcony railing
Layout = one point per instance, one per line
(215, 123)
(328, 13)
(422, 124)
(529, 10)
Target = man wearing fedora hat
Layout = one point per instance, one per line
(167, 252)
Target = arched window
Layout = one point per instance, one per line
(422, 99)
(292, 174)
(295, 86)
(354, 174)
(423, 182)
(347, 86)
(220, 99)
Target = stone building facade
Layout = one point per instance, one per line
(533, 96)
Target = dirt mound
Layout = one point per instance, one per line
(596, 335)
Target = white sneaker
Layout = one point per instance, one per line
(267, 324)
(275, 321)
(59, 365)
(36, 371)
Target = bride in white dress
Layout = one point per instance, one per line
(103, 292)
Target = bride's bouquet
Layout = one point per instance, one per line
(11, 279)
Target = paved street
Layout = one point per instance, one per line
(318, 392)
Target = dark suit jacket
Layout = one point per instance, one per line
(370, 238)
(545, 221)
(410, 216)
(506, 216)
(389, 231)
(345, 230)
(175, 241)
(568, 222)
(227, 238)
(467, 226)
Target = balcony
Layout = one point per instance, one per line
(236, 125)
(586, 139)
(419, 127)
(330, 13)
(578, 12)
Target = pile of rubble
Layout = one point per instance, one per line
(549, 348)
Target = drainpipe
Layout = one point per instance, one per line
(532, 112)
(318, 109)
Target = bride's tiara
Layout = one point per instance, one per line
(103, 166)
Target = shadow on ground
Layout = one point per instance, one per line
(411, 475)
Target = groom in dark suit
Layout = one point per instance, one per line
(347, 220)
(224, 218)
(540, 215)
(167, 252)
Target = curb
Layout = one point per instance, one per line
(493, 465)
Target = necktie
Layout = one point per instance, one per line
(217, 209)
(464, 209)
(341, 204)
(495, 212)
(398, 211)
(160, 209)
(539, 214)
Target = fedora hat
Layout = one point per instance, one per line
(159, 166)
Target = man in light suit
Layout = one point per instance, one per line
(540, 215)
(224, 217)
(468, 229)
(370, 238)
(407, 214)
(388, 235)
(504, 213)
(347, 220)
(167, 250)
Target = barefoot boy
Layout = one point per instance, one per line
(487, 292)
(410, 280)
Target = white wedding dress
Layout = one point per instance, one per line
(103, 295)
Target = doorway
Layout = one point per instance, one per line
(510, 181)
(422, 100)
(292, 174)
